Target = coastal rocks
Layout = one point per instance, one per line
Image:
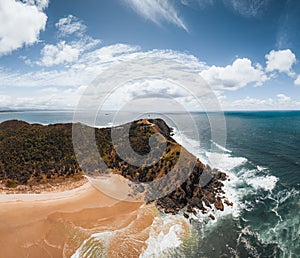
(190, 195)
(219, 204)
(226, 201)
(186, 215)
(212, 216)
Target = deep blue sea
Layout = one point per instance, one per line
(261, 157)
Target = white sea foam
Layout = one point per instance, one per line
(221, 147)
(267, 183)
(224, 161)
(258, 181)
(283, 196)
(261, 168)
(193, 146)
(88, 245)
(164, 235)
(234, 189)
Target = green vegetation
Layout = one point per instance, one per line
(34, 154)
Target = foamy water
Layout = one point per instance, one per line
(166, 231)
(165, 234)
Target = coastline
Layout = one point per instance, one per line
(53, 187)
(58, 219)
(57, 223)
(48, 195)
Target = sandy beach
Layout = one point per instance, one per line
(55, 224)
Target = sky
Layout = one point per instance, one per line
(247, 51)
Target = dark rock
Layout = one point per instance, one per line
(212, 216)
(219, 204)
(206, 202)
(226, 201)
(194, 212)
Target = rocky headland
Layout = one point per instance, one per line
(34, 158)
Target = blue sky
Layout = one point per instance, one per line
(247, 51)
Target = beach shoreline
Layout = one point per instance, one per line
(57, 223)
(46, 196)
(49, 187)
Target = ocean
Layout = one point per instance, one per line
(261, 157)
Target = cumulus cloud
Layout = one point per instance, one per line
(157, 11)
(283, 98)
(232, 77)
(281, 101)
(89, 65)
(40, 4)
(281, 60)
(21, 24)
(58, 54)
(66, 52)
(50, 98)
(242, 72)
(54, 87)
(297, 81)
(60, 85)
(70, 25)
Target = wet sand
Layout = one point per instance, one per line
(56, 224)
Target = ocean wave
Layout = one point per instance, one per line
(193, 146)
(220, 147)
(224, 161)
(266, 183)
(96, 244)
(166, 233)
(259, 180)
(261, 168)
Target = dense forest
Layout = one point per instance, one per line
(34, 153)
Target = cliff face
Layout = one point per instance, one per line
(35, 154)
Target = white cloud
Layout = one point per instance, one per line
(66, 52)
(58, 54)
(61, 87)
(232, 77)
(40, 4)
(283, 98)
(248, 8)
(280, 102)
(201, 3)
(297, 81)
(89, 65)
(51, 98)
(70, 25)
(20, 24)
(5, 100)
(281, 60)
(54, 88)
(157, 11)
